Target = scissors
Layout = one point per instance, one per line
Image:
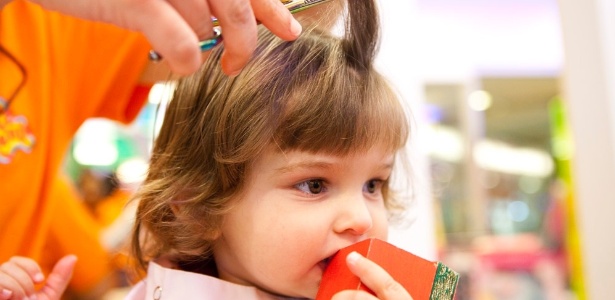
(294, 6)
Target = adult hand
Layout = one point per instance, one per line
(375, 278)
(174, 27)
(19, 275)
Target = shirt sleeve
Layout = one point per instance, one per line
(96, 68)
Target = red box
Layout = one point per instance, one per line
(423, 279)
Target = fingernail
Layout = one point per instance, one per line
(234, 73)
(295, 27)
(353, 257)
(74, 257)
(38, 277)
(231, 68)
(33, 297)
(6, 294)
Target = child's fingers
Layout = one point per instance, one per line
(10, 288)
(19, 275)
(59, 278)
(30, 266)
(353, 295)
(376, 278)
(5, 293)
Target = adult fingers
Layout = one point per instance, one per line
(238, 21)
(160, 22)
(276, 17)
(238, 24)
(59, 278)
(323, 16)
(376, 278)
(168, 32)
(197, 15)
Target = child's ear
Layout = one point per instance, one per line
(175, 208)
(211, 235)
(176, 203)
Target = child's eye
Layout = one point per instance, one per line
(312, 186)
(373, 186)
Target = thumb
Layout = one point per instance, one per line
(58, 279)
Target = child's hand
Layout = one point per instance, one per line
(375, 278)
(19, 275)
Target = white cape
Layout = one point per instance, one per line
(169, 284)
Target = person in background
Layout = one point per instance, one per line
(59, 66)
(102, 195)
(106, 198)
(81, 227)
(73, 230)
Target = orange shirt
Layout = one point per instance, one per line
(75, 70)
(73, 230)
(109, 209)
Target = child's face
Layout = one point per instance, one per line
(296, 211)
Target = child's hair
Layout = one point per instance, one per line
(318, 94)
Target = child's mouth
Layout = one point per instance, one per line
(325, 262)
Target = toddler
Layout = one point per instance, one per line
(257, 180)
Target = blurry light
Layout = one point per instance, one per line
(434, 113)
(101, 153)
(161, 92)
(562, 148)
(132, 171)
(530, 185)
(96, 129)
(95, 143)
(479, 100)
(444, 143)
(504, 158)
(490, 180)
(500, 218)
(518, 211)
(160, 95)
(442, 172)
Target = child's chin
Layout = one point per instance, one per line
(308, 293)
(307, 289)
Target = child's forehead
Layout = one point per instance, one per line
(296, 157)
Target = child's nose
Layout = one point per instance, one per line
(354, 216)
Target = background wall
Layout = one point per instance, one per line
(589, 76)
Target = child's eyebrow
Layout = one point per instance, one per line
(386, 166)
(304, 165)
(320, 165)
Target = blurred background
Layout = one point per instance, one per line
(513, 143)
